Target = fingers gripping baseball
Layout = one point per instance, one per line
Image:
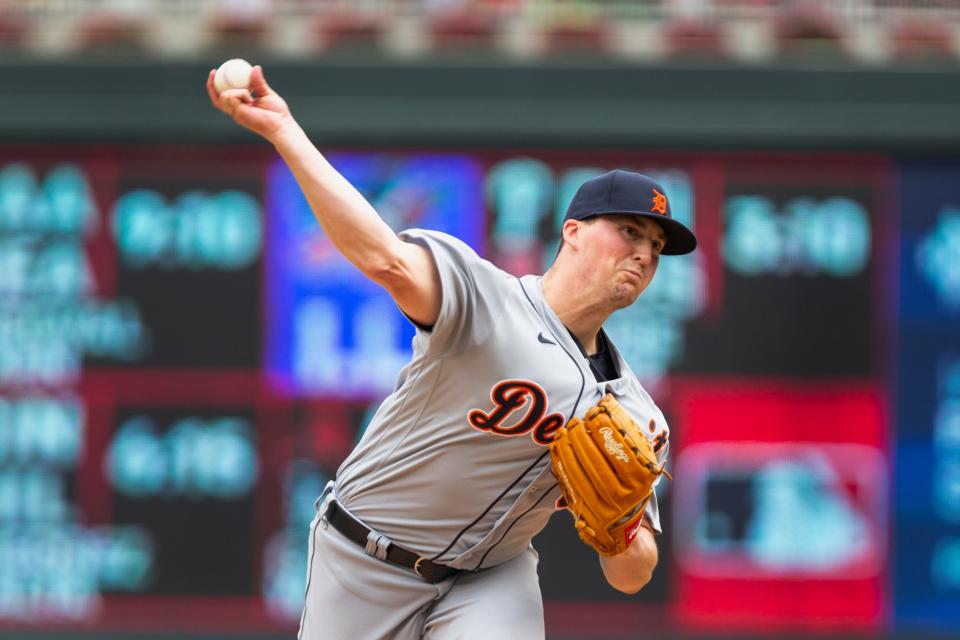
(257, 107)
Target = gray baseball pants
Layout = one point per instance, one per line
(353, 596)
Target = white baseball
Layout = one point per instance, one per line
(232, 74)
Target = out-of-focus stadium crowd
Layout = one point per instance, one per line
(750, 31)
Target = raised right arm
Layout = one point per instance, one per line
(407, 271)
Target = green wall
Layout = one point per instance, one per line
(594, 103)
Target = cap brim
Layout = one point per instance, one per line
(680, 240)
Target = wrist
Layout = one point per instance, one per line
(287, 136)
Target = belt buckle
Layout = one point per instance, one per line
(416, 567)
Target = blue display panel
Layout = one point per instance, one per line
(927, 499)
(330, 330)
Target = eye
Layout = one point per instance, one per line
(630, 231)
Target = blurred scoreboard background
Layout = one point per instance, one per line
(185, 360)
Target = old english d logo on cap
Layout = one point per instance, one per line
(659, 203)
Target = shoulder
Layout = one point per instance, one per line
(448, 249)
(431, 239)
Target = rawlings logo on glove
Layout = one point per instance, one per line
(606, 469)
(612, 447)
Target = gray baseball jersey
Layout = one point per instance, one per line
(454, 465)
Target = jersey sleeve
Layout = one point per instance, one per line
(472, 294)
(652, 514)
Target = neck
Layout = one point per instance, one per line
(571, 302)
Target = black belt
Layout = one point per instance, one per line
(357, 532)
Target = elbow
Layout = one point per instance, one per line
(387, 270)
(633, 570)
(632, 584)
(380, 259)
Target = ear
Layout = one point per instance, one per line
(571, 232)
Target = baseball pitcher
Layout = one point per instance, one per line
(515, 404)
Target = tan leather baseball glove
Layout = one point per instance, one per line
(606, 469)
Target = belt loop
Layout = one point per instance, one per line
(322, 505)
(327, 490)
(377, 545)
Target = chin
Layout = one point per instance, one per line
(624, 295)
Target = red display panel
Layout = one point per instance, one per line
(780, 504)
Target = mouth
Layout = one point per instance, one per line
(635, 274)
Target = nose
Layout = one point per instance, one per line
(644, 254)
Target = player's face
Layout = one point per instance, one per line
(624, 252)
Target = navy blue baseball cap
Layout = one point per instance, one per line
(628, 193)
